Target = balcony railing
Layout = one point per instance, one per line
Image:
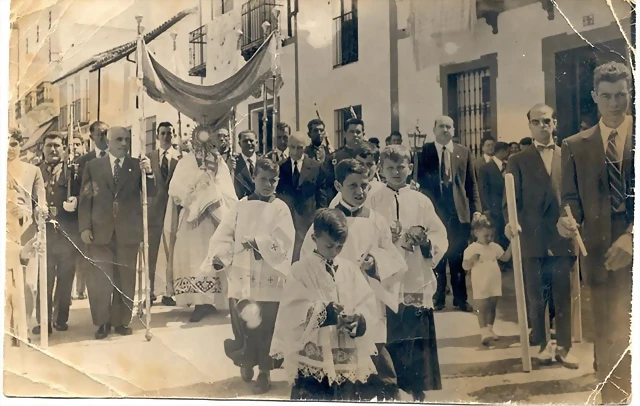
(18, 107)
(44, 93)
(29, 102)
(254, 14)
(198, 52)
(345, 38)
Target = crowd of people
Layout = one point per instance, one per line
(332, 263)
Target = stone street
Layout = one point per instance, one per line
(187, 360)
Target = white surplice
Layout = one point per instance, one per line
(369, 233)
(253, 276)
(312, 350)
(412, 208)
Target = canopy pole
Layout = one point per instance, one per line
(145, 219)
(275, 118)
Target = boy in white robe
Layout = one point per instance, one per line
(369, 156)
(370, 246)
(321, 329)
(254, 246)
(419, 234)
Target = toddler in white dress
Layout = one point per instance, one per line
(481, 258)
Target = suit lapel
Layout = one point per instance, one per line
(597, 155)
(105, 164)
(172, 167)
(456, 159)
(305, 172)
(126, 172)
(539, 173)
(556, 173)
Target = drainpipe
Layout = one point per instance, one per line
(393, 66)
(99, 86)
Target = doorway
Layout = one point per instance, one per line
(574, 83)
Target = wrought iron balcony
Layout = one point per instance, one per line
(491, 9)
(254, 14)
(198, 52)
(44, 94)
(345, 39)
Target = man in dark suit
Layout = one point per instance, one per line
(62, 233)
(354, 138)
(163, 163)
(548, 259)
(598, 185)
(491, 185)
(487, 145)
(301, 187)
(110, 223)
(245, 163)
(281, 152)
(445, 174)
(98, 134)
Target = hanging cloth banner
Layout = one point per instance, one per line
(209, 105)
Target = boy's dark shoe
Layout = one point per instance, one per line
(61, 326)
(123, 330)
(246, 374)
(103, 331)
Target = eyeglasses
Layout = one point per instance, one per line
(545, 121)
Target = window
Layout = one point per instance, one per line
(254, 14)
(150, 134)
(345, 34)
(469, 99)
(198, 52)
(50, 19)
(37, 34)
(340, 118)
(63, 117)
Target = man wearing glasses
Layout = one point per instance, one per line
(548, 259)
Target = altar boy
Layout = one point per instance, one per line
(321, 329)
(421, 237)
(254, 246)
(370, 246)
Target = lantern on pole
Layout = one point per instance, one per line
(416, 141)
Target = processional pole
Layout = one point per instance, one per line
(145, 226)
(265, 29)
(174, 35)
(69, 160)
(42, 213)
(275, 70)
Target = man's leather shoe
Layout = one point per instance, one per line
(465, 307)
(61, 326)
(103, 331)
(246, 374)
(36, 330)
(262, 384)
(168, 301)
(439, 306)
(123, 330)
(567, 360)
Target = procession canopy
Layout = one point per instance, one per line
(209, 105)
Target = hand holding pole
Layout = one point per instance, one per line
(578, 237)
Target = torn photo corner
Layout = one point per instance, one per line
(506, 114)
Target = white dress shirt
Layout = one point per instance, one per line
(99, 151)
(112, 161)
(299, 162)
(486, 157)
(621, 138)
(546, 154)
(498, 162)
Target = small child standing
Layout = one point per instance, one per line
(253, 246)
(481, 258)
(321, 328)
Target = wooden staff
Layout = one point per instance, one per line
(517, 271)
(69, 160)
(265, 29)
(576, 300)
(275, 69)
(232, 131)
(145, 220)
(41, 220)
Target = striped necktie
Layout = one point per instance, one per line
(616, 186)
(116, 171)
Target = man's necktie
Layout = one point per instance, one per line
(296, 174)
(504, 167)
(102, 154)
(251, 168)
(616, 186)
(331, 268)
(164, 166)
(444, 175)
(116, 171)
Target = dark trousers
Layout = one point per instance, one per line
(549, 278)
(250, 347)
(611, 306)
(384, 384)
(61, 266)
(458, 235)
(155, 235)
(309, 388)
(111, 282)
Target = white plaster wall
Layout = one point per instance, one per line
(520, 82)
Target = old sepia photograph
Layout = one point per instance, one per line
(399, 201)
